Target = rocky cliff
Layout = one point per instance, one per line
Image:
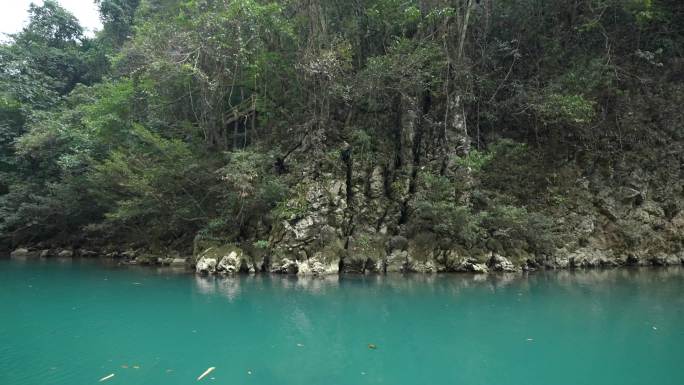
(585, 213)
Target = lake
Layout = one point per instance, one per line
(77, 321)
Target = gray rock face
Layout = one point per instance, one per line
(480, 268)
(129, 254)
(23, 253)
(87, 253)
(673, 260)
(314, 267)
(632, 260)
(396, 262)
(662, 260)
(229, 264)
(425, 267)
(499, 263)
(632, 196)
(178, 262)
(65, 254)
(355, 265)
(471, 265)
(174, 261)
(557, 263)
(45, 253)
(315, 231)
(377, 183)
(206, 265)
(285, 266)
(398, 242)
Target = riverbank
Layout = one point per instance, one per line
(230, 260)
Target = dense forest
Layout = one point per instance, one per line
(359, 135)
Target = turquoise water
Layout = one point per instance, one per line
(74, 322)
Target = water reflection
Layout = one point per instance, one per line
(205, 285)
(597, 280)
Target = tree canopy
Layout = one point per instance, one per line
(208, 117)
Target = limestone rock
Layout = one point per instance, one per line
(500, 263)
(129, 254)
(558, 263)
(377, 183)
(206, 265)
(673, 260)
(632, 196)
(315, 267)
(65, 253)
(659, 260)
(396, 261)
(425, 267)
(285, 266)
(229, 264)
(87, 253)
(471, 265)
(177, 262)
(607, 208)
(480, 268)
(23, 253)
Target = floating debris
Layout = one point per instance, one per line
(655, 328)
(206, 372)
(105, 378)
(169, 370)
(136, 367)
(300, 345)
(249, 372)
(530, 339)
(124, 366)
(137, 283)
(372, 346)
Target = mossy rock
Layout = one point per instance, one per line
(219, 252)
(363, 247)
(201, 243)
(332, 252)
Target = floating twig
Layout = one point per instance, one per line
(206, 372)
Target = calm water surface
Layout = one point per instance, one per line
(74, 322)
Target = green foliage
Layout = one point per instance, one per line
(475, 160)
(154, 187)
(515, 173)
(564, 109)
(261, 244)
(408, 67)
(217, 118)
(295, 206)
(117, 18)
(439, 210)
(52, 24)
(248, 192)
